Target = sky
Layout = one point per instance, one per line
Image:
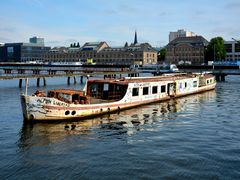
(62, 22)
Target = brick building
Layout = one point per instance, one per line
(186, 50)
(102, 53)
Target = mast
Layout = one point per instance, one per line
(26, 84)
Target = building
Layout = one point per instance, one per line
(101, 53)
(37, 40)
(180, 33)
(186, 50)
(135, 54)
(22, 52)
(233, 50)
(86, 54)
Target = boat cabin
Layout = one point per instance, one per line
(107, 89)
(206, 80)
(69, 96)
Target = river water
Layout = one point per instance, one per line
(193, 137)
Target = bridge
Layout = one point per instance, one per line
(21, 71)
(220, 71)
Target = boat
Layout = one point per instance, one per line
(65, 63)
(101, 96)
(158, 68)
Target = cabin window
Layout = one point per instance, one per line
(185, 84)
(64, 97)
(207, 81)
(163, 89)
(145, 90)
(194, 83)
(154, 90)
(106, 87)
(135, 91)
(75, 98)
(210, 80)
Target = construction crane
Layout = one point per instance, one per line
(236, 40)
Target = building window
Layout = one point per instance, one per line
(154, 90)
(145, 90)
(163, 89)
(135, 91)
(194, 83)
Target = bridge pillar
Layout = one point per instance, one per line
(222, 77)
(20, 83)
(38, 82)
(44, 81)
(81, 79)
(68, 80)
(74, 79)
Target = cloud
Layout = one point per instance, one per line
(233, 6)
(7, 29)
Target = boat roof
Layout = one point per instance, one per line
(166, 77)
(67, 91)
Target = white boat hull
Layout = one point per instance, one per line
(44, 108)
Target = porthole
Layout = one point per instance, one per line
(67, 112)
(73, 113)
(101, 110)
(31, 117)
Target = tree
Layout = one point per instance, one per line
(71, 45)
(162, 54)
(74, 44)
(215, 50)
(78, 45)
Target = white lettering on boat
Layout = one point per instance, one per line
(52, 101)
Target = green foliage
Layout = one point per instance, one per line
(215, 50)
(162, 54)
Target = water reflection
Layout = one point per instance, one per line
(126, 122)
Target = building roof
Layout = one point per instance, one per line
(94, 46)
(193, 40)
(132, 48)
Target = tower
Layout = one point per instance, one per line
(135, 38)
